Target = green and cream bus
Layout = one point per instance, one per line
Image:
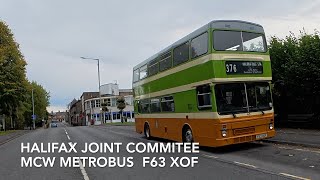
(211, 87)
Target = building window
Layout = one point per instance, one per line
(107, 101)
(181, 54)
(114, 115)
(165, 62)
(113, 102)
(129, 100)
(93, 105)
(204, 97)
(118, 115)
(143, 72)
(167, 104)
(107, 116)
(128, 115)
(88, 105)
(98, 103)
(132, 115)
(199, 45)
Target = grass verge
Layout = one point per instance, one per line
(6, 132)
(120, 124)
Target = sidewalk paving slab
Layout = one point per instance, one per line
(298, 137)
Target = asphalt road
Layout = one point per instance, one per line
(247, 161)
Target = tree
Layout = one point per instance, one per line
(15, 89)
(296, 65)
(121, 104)
(13, 81)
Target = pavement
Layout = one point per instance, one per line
(298, 137)
(10, 136)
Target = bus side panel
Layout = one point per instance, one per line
(208, 131)
(139, 123)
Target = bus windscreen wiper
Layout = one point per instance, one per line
(233, 114)
(260, 110)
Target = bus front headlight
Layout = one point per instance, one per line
(271, 126)
(224, 133)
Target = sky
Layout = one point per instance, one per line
(54, 34)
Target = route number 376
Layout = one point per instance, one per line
(231, 68)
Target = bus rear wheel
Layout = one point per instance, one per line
(187, 134)
(147, 131)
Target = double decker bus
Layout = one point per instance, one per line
(213, 87)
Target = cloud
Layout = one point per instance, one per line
(54, 34)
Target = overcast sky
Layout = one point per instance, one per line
(54, 34)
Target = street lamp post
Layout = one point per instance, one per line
(95, 59)
(33, 117)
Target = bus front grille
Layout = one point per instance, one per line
(242, 131)
(245, 139)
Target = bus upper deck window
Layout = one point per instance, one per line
(143, 72)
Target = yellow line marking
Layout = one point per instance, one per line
(299, 149)
(293, 176)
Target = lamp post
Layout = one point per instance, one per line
(95, 59)
(33, 116)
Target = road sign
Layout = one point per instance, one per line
(33, 117)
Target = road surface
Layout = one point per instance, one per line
(256, 160)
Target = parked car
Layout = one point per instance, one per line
(54, 125)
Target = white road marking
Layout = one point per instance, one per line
(83, 171)
(214, 157)
(244, 164)
(293, 176)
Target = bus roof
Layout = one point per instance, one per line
(215, 24)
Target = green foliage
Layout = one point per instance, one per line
(121, 103)
(104, 107)
(15, 89)
(296, 62)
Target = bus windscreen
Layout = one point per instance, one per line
(238, 41)
(243, 97)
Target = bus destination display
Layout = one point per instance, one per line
(244, 67)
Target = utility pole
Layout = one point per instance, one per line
(98, 60)
(33, 118)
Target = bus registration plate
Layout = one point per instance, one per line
(261, 136)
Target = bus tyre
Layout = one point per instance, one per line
(187, 134)
(147, 131)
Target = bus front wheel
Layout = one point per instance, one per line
(147, 131)
(187, 134)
